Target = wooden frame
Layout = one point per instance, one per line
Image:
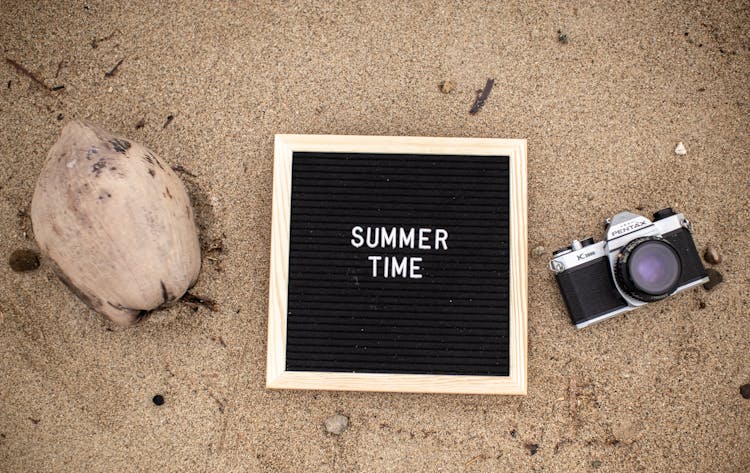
(276, 375)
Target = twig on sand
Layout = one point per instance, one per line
(95, 42)
(205, 302)
(23, 71)
(179, 168)
(482, 97)
(113, 71)
(59, 67)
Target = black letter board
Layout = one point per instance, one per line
(398, 264)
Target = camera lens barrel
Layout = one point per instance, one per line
(648, 268)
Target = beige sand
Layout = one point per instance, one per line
(656, 390)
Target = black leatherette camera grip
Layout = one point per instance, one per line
(588, 290)
(692, 266)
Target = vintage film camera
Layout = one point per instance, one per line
(639, 262)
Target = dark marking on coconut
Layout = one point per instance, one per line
(91, 152)
(120, 145)
(137, 312)
(138, 315)
(91, 301)
(104, 195)
(169, 194)
(164, 293)
(98, 166)
(158, 163)
(148, 159)
(152, 172)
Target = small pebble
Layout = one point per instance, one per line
(562, 37)
(596, 464)
(680, 149)
(446, 87)
(158, 399)
(712, 255)
(532, 448)
(626, 431)
(745, 391)
(22, 261)
(714, 279)
(538, 251)
(337, 424)
(514, 433)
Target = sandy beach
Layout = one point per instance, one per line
(603, 92)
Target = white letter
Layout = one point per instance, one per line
(441, 237)
(413, 268)
(373, 242)
(374, 260)
(398, 269)
(424, 240)
(406, 239)
(388, 238)
(357, 241)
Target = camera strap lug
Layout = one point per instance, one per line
(556, 266)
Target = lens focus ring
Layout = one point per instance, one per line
(648, 268)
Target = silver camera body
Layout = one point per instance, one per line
(640, 261)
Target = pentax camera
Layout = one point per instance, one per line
(640, 261)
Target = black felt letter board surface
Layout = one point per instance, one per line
(398, 264)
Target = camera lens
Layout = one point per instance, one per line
(649, 268)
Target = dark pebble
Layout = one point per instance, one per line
(532, 448)
(714, 279)
(60, 116)
(596, 464)
(514, 433)
(21, 261)
(745, 391)
(158, 399)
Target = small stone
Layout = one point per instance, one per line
(626, 431)
(158, 399)
(539, 251)
(446, 87)
(596, 464)
(712, 255)
(514, 433)
(714, 279)
(22, 261)
(337, 424)
(532, 448)
(745, 391)
(680, 149)
(562, 37)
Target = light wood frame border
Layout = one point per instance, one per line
(276, 375)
